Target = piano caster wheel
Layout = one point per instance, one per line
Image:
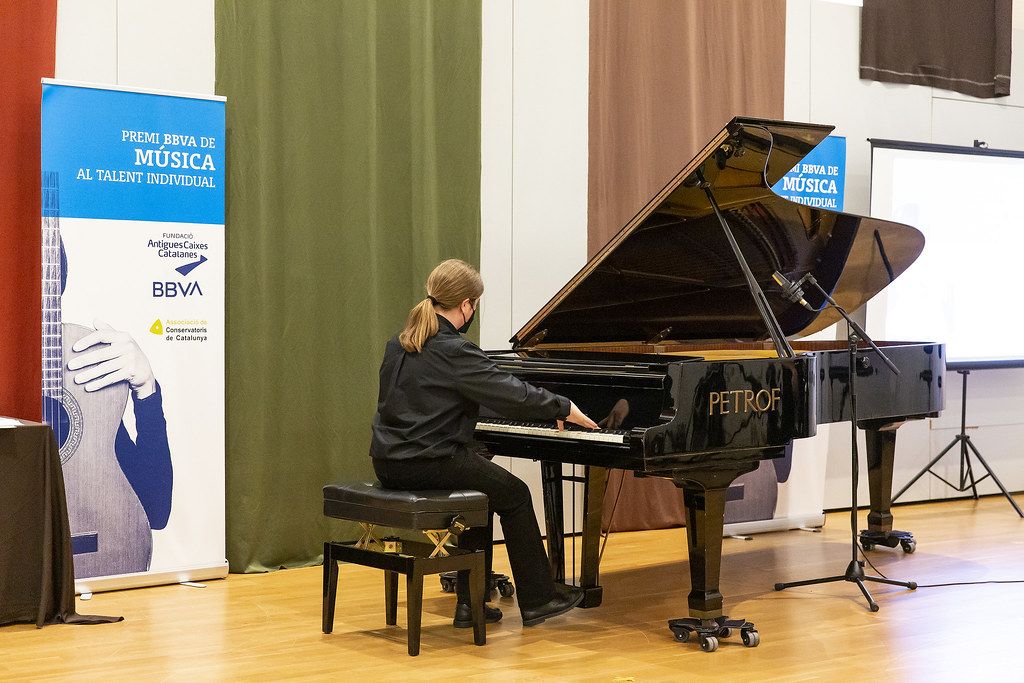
(751, 638)
(681, 636)
(497, 584)
(709, 632)
(868, 547)
(708, 643)
(908, 546)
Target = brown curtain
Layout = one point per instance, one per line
(27, 34)
(665, 76)
(949, 44)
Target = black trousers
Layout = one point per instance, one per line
(509, 497)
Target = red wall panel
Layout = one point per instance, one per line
(27, 37)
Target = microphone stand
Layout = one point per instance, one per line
(854, 334)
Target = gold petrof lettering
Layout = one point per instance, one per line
(744, 401)
(748, 401)
(766, 395)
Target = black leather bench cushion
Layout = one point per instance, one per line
(369, 502)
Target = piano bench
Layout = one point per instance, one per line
(438, 514)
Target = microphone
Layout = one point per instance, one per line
(791, 290)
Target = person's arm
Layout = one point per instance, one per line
(146, 462)
(479, 379)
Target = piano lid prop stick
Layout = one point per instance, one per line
(782, 345)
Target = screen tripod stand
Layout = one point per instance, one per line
(966, 480)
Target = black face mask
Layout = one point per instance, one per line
(466, 325)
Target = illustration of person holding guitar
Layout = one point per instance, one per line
(118, 488)
(106, 357)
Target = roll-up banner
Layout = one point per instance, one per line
(789, 492)
(133, 328)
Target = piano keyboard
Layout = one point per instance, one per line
(546, 429)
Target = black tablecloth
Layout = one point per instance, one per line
(37, 581)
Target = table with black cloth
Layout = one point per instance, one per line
(37, 581)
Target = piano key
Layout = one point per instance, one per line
(547, 430)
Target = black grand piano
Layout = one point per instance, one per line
(663, 337)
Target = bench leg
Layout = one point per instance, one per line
(477, 590)
(330, 588)
(391, 597)
(414, 608)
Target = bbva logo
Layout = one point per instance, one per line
(171, 290)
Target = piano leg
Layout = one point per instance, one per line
(880, 437)
(554, 517)
(704, 493)
(595, 481)
(593, 510)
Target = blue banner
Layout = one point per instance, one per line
(135, 156)
(133, 328)
(819, 179)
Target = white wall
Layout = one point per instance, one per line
(823, 86)
(534, 157)
(534, 161)
(158, 44)
(496, 173)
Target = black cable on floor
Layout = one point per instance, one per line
(968, 583)
(941, 585)
(877, 570)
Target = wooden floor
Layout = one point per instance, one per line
(268, 626)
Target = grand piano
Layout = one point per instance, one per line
(676, 338)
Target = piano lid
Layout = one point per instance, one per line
(670, 275)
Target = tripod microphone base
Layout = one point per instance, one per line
(890, 539)
(854, 574)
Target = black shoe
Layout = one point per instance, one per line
(560, 604)
(464, 615)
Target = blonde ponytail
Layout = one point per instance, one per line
(450, 283)
(421, 326)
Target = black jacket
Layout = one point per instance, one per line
(429, 401)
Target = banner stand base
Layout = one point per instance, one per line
(779, 524)
(97, 584)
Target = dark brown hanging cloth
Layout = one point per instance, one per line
(665, 76)
(949, 44)
(37, 581)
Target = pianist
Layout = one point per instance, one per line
(432, 384)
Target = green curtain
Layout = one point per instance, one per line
(353, 133)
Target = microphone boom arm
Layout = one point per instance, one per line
(857, 329)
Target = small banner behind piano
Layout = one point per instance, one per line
(819, 180)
